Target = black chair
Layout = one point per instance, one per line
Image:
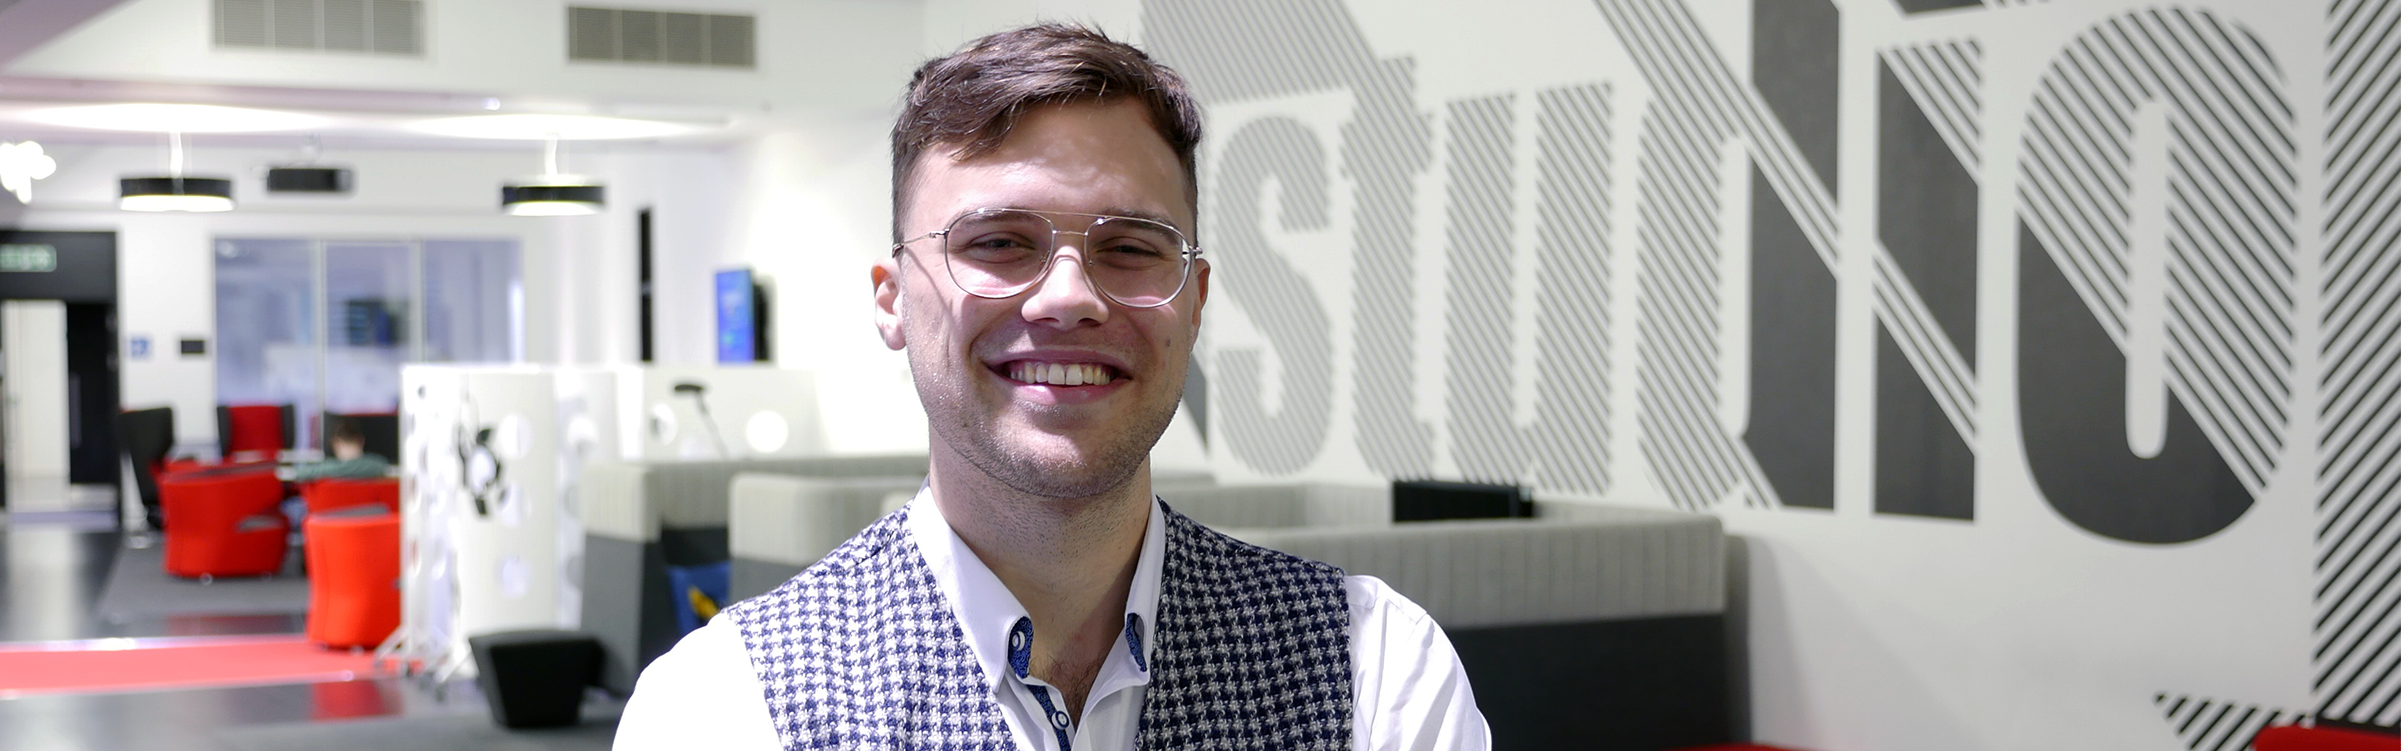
(381, 429)
(1429, 500)
(149, 435)
(535, 678)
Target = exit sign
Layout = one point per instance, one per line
(28, 258)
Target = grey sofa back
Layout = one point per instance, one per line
(1610, 565)
(783, 523)
(641, 517)
(1278, 506)
(1586, 627)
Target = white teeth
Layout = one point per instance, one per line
(1059, 374)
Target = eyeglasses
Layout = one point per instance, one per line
(1001, 253)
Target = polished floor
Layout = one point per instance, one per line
(54, 565)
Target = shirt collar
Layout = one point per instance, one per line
(987, 612)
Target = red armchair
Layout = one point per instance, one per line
(338, 493)
(253, 432)
(223, 522)
(2321, 738)
(354, 574)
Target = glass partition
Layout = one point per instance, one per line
(368, 291)
(267, 326)
(324, 325)
(473, 299)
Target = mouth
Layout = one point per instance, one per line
(1060, 374)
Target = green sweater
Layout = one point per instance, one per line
(365, 466)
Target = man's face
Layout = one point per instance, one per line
(975, 359)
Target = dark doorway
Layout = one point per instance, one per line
(92, 394)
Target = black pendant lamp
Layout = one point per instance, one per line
(175, 191)
(551, 193)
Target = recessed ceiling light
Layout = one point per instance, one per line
(538, 127)
(186, 118)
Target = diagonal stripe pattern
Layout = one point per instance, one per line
(1947, 81)
(1565, 448)
(1234, 50)
(2357, 654)
(2230, 284)
(1699, 107)
(2213, 725)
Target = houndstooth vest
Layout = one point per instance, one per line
(861, 651)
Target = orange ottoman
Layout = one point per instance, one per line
(223, 522)
(353, 577)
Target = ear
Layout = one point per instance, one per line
(886, 275)
(1200, 293)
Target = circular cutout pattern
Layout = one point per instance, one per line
(512, 438)
(766, 432)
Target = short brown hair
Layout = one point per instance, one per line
(975, 96)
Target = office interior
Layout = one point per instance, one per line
(1825, 375)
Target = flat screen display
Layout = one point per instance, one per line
(736, 339)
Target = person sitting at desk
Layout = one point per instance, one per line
(350, 457)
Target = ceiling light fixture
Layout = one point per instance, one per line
(551, 193)
(186, 118)
(529, 127)
(175, 192)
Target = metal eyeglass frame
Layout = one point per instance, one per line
(1191, 253)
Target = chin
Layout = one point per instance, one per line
(1048, 465)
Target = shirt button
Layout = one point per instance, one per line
(1058, 720)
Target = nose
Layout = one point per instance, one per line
(1066, 297)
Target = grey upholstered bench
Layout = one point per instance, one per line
(641, 517)
(1586, 627)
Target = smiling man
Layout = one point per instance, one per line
(1046, 286)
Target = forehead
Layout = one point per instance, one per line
(1091, 158)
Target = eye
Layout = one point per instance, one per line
(996, 248)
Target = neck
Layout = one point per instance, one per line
(1069, 561)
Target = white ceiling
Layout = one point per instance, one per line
(818, 60)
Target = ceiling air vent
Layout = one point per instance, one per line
(388, 27)
(623, 35)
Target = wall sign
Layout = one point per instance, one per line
(39, 259)
(2110, 279)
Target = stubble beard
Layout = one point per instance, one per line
(965, 425)
(971, 432)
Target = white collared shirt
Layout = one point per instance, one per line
(1408, 690)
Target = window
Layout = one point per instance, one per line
(324, 325)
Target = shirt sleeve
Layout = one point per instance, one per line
(1408, 689)
(701, 694)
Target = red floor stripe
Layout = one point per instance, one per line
(146, 665)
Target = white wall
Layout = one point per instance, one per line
(837, 54)
(2007, 624)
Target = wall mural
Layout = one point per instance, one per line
(2105, 281)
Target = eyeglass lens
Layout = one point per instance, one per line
(1002, 252)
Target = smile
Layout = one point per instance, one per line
(1061, 373)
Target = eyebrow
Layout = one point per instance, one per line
(1141, 214)
(1117, 211)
